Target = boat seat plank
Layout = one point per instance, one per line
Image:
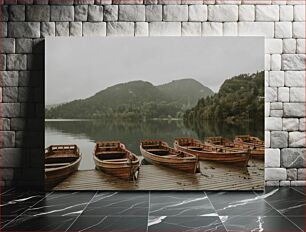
(155, 150)
(111, 152)
(115, 160)
(56, 164)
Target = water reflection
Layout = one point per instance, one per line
(85, 133)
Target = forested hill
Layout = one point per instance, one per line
(134, 100)
(239, 99)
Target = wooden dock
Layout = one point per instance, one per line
(213, 177)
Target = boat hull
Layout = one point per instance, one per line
(58, 172)
(52, 178)
(233, 158)
(120, 162)
(253, 143)
(123, 171)
(186, 165)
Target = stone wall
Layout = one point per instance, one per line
(25, 23)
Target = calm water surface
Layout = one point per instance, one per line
(85, 133)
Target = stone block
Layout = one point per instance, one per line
(267, 138)
(256, 29)
(222, 13)
(212, 29)
(62, 13)
(272, 158)
(4, 13)
(2, 62)
(141, 29)
(289, 46)
(17, 13)
(297, 183)
(75, 29)
(292, 174)
(246, 13)
(301, 174)
(294, 109)
(230, 29)
(297, 94)
(273, 46)
(284, 183)
(279, 139)
(120, 29)
(273, 183)
(300, 47)
(175, 13)
(296, 139)
(110, 13)
(299, 13)
(165, 29)
(38, 13)
(276, 113)
(302, 124)
(9, 94)
(9, 78)
(131, 13)
(295, 78)
(286, 13)
(276, 62)
(273, 123)
(270, 94)
(191, 29)
(283, 94)
(80, 13)
(47, 29)
(95, 13)
(94, 29)
(293, 157)
(8, 45)
(154, 13)
(16, 62)
(11, 110)
(62, 29)
(3, 29)
(277, 79)
(283, 30)
(267, 13)
(276, 105)
(275, 174)
(293, 61)
(298, 30)
(290, 124)
(24, 29)
(24, 45)
(197, 13)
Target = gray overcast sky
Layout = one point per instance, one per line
(78, 67)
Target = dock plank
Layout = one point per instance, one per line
(213, 176)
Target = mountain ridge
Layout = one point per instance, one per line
(135, 99)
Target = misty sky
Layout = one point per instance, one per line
(78, 67)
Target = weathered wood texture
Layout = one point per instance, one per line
(151, 177)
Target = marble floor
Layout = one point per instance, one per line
(275, 210)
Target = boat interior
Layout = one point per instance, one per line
(55, 161)
(115, 155)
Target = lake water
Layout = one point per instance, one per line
(85, 133)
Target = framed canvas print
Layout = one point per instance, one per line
(156, 113)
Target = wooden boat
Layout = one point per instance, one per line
(60, 162)
(114, 159)
(210, 152)
(159, 153)
(255, 144)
